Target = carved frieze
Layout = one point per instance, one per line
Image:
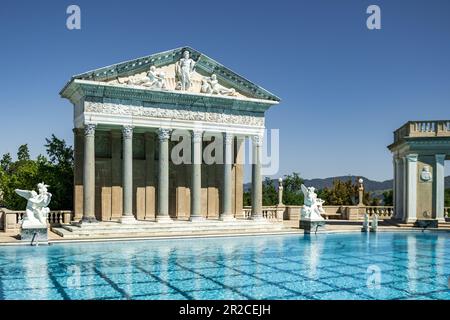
(178, 114)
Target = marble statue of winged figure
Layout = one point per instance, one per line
(312, 208)
(37, 205)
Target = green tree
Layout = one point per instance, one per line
(292, 189)
(388, 198)
(341, 193)
(23, 154)
(26, 173)
(447, 197)
(269, 192)
(6, 162)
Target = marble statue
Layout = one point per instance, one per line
(184, 69)
(366, 223)
(37, 206)
(374, 225)
(152, 80)
(211, 85)
(313, 206)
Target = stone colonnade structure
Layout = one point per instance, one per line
(419, 151)
(127, 118)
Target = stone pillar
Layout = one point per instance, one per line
(440, 187)
(411, 209)
(196, 180)
(226, 213)
(163, 176)
(78, 174)
(257, 178)
(89, 174)
(404, 187)
(397, 193)
(127, 175)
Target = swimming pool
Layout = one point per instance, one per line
(325, 266)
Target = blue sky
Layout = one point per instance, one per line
(344, 88)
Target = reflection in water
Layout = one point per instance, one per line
(412, 262)
(313, 252)
(36, 276)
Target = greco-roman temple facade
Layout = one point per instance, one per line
(125, 116)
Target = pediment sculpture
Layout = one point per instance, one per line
(210, 85)
(179, 76)
(153, 79)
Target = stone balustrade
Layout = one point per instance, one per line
(11, 219)
(288, 212)
(384, 212)
(439, 128)
(447, 212)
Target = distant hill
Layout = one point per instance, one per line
(369, 185)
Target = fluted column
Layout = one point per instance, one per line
(163, 176)
(89, 174)
(226, 213)
(257, 178)
(411, 209)
(196, 187)
(440, 186)
(396, 188)
(127, 175)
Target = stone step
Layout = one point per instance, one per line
(105, 229)
(159, 232)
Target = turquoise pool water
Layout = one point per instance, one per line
(334, 266)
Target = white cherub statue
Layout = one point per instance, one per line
(37, 206)
(312, 208)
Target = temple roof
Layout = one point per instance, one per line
(129, 74)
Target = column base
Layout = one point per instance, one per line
(128, 220)
(227, 217)
(257, 217)
(88, 220)
(164, 219)
(197, 219)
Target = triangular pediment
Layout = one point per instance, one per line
(174, 71)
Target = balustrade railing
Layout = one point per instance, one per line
(439, 128)
(12, 219)
(381, 211)
(268, 212)
(447, 212)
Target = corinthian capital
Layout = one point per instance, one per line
(127, 132)
(228, 138)
(89, 130)
(163, 134)
(197, 136)
(257, 140)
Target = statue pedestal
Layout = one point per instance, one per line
(34, 234)
(311, 225)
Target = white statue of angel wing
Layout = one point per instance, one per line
(305, 190)
(27, 194)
